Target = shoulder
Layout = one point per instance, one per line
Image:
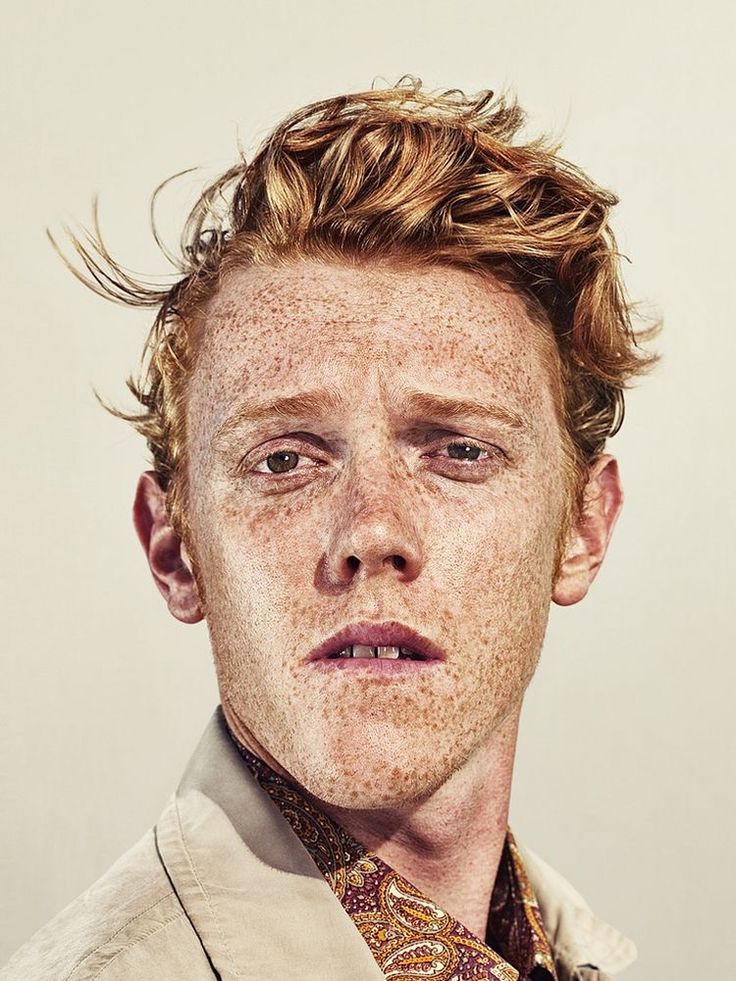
(578, 936)
(128, 924)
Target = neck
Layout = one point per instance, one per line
(449, 845)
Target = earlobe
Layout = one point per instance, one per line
(167, 557)
(590, 532)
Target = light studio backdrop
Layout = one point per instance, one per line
(624, 778)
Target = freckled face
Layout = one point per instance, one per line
(372, 511)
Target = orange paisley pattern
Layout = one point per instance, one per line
(410, 937)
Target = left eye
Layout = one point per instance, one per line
(462, 450)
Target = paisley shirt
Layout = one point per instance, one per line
(410, 937)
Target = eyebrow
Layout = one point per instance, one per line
(316, 403)
(451, 408)
(414, 404)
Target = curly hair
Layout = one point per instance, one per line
(404, 174)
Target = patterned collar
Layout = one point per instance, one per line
(409, 936)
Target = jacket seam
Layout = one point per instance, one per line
(147, 936)
(112, 936)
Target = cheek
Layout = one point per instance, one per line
(512, 535)
(506, 593)
(251, 557)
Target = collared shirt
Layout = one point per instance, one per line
(408, 934)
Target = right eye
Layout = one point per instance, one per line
(280, 462)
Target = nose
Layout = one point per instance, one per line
(375, 531)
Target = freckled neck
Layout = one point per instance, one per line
(449, 846)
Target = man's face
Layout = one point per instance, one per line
(375, 509)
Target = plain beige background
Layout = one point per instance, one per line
(624, 777)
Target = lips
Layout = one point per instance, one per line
(388, 634)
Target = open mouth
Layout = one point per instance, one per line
(388, 652)
(390, 648)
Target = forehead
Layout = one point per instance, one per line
(272, 330)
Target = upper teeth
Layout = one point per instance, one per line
(364, 650)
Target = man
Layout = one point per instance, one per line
(377, 402)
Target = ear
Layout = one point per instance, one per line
(167, 557)
(590, 533)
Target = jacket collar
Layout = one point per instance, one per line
(242, 875)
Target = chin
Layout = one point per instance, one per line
(367, 796)
(365, 778)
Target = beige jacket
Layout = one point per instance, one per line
(221, 887)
